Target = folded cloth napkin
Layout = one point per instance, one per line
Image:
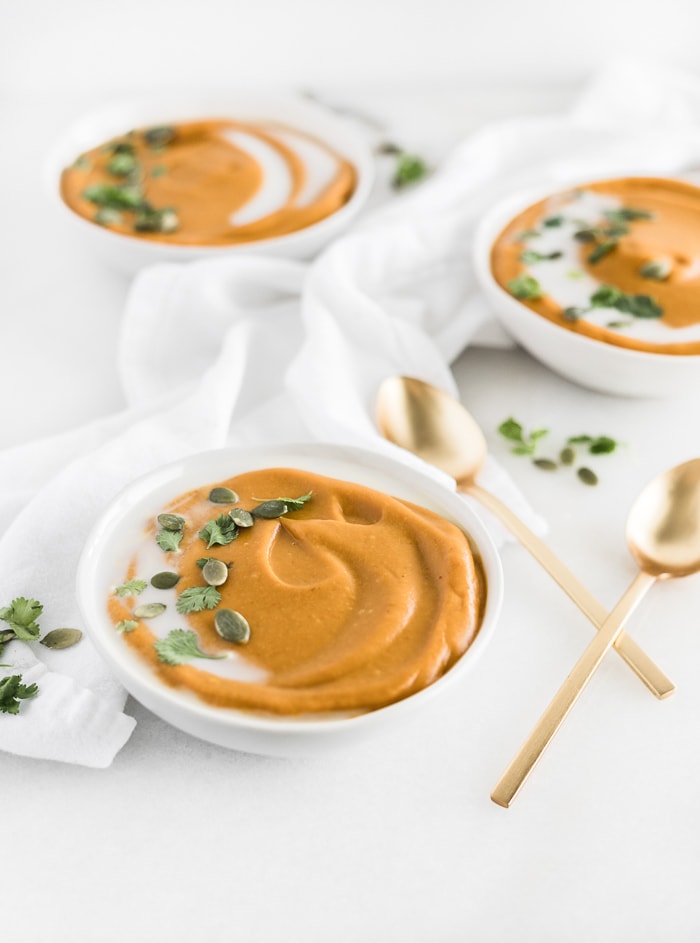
(249, 350)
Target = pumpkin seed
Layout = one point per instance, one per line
(149, 610)
(587, 476)
(61, 638)
(270, 509)
(171, 522)
(215, 572)
(241, 517)
(165, 580)
(232, 626)
(222, 496)
(567, 456)
(545, 463)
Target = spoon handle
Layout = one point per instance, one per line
(627, 648)
(514, 777)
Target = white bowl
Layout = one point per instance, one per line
(112, 540)
(592, 363)
(130, 253)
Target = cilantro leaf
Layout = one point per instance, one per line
(409, 169)
(12, 691)
(524, 444)
(198, 598)
(296, 504)
(169, 540)
(525, 287)
(178, 646)
(221, 530)
(21, 616)
(131, 588)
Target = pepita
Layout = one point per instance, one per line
(587, 476)
(241, 517)
(61, 638)
(149, 610)
(215, 572)
(165, 580)
(232, 626)
(171, 522)
(270, 509)
(222, 496)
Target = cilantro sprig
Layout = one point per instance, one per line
(12, 691)
(198, 598)
(21, 616)
(178, 646)
(524, 444)
(131, 588)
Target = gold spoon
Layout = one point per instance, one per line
(428, 422)
(663, 534)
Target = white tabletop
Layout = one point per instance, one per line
(395, 839)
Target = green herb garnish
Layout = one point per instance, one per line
(131, 588)
(409, 169)
(530, 257)
(524, 444)
(114, 196)
(21, 616)
(597, 445)
(12, 691)
(122, 164)
(552, 222)
(293, 504)
(178, 646)
(525, 287)
(198, 598)
(221, 530)
(169, 540)
(607, 296)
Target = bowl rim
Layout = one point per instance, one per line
(118, 656)
(112, 117)
(500, 214)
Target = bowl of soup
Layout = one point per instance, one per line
(171, 181)
(289, 599)
(600, 281)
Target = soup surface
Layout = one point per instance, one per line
(616, 260)
(322, 597)
(212, 183)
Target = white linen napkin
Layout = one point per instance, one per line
(249, 350)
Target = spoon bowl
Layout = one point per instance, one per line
(433, 425)
(663, 532)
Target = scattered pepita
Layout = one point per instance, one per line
(61, 638)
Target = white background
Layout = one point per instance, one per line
(395, 840)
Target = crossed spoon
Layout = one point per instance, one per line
(663, 535)
(433, 425)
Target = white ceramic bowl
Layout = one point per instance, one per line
(112, 541)
(594, 364)
(130, 253)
